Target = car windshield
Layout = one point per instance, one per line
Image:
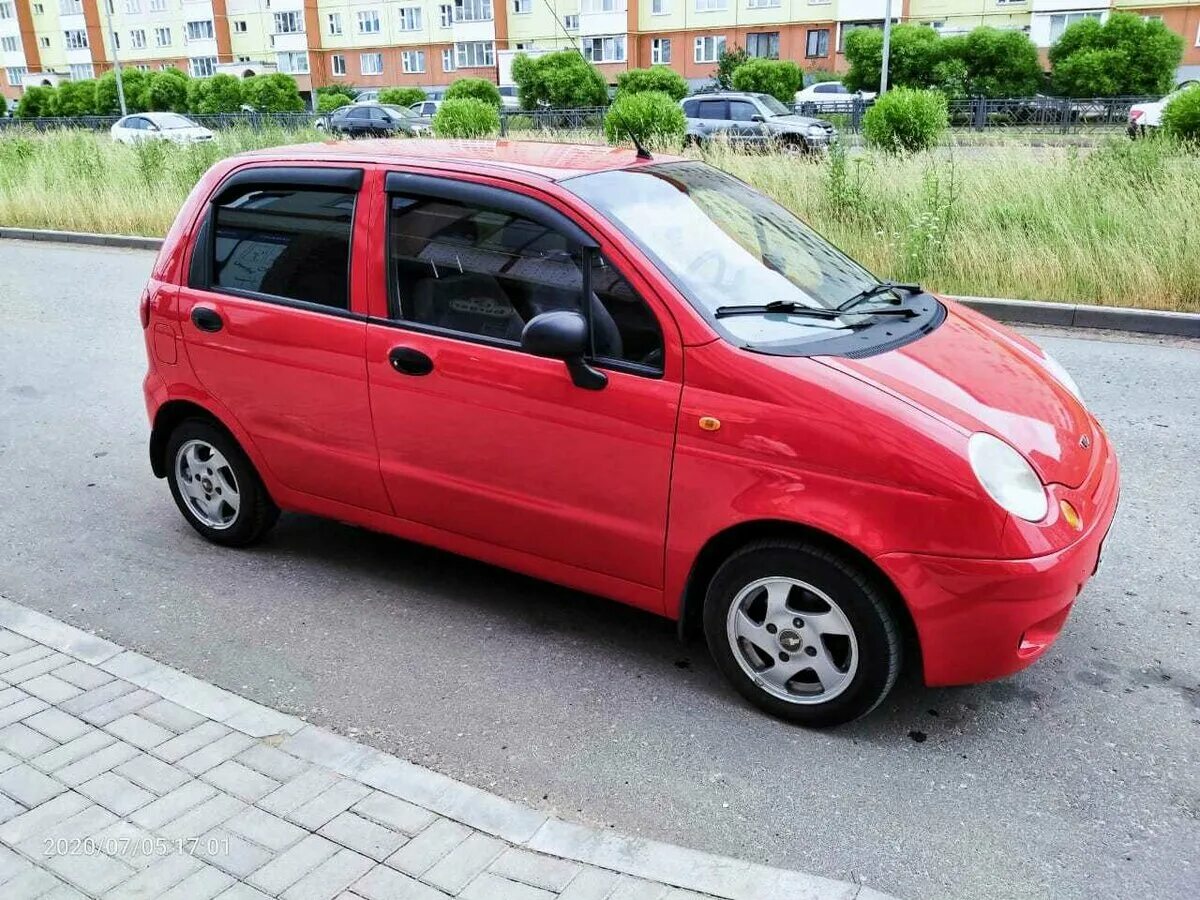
(399, 112)
(723, 244)
(171, 120)
(774, 106)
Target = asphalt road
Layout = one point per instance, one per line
(1077, 778)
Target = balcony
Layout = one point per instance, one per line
(597, 17)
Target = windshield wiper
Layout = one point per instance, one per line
(791, 307)
(877, 289)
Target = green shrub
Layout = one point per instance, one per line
(663, 79)
(212, 96)
(729, 60)
(916, 50)
(475, 88)
(345, 87)
(817, 76)
(519, 123)
(328, 102)
(133, 81)
(652, 116)
(1181, 118)
(905, 121)
(167, 90)
(1124, 56)
(466, 117)
(562, 80)
(401, 96)
(3, 104)
(273, 93)
(778, 77)
(74, 98)
(998, 62)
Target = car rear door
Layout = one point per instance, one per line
(712, 117)
(480, 439)
(274, 321)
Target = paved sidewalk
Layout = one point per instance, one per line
(123, 778)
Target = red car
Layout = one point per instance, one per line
(636, 377)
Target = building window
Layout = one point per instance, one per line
(289, 22)
(116, 40)
(368, 22)
(39, 9)
(604, 49)
(81, 71)
(292, 62)
(44, 42)
(660, 7)
(711, 5)
(445, 15)
(1059, 23)
(76, 39)
(448, 64)
(337, 64)
(522, 7)
(764, 44)
(571, 23)
(239, 26)
(199, 31)
(412, 62)
(370, 63)
(202, 66)
(8, 43)
(409, 18)
(162, 37)
(709, 48)
(133, 6)
(599, 6)
(16, 76)
(817, 42)
(333, 22)
(472, 11)
(137, 39)
(768, 4)
(158, 5)
(475, 54)
(6, 11)
(660, 51)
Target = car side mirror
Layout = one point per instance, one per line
(563, 334)
(757, 118)
(153, 127)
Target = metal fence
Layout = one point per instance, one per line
(518, 120)
(216, 122)
(1033, 114)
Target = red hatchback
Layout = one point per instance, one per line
(635, 377)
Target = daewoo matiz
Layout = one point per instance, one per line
(636, 377)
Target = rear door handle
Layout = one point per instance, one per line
(408, 361)
(207, 319)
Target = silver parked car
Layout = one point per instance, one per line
(753, 120)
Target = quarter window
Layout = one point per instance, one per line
(292, 243)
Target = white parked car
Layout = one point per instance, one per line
(158, 126)
(1149, 115)
(368, 96)
(829, 95)
(426, 108)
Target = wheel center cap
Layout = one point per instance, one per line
(207, 484)
(790, 641)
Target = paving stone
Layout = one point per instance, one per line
(9, 809)
(241, 781)
(215, 753)
(208, 815)
(335, 799)
(116, 794)
(24, 656)
(231, 852)
(63, 892)
(203, 884)
(292, 865)
(385, 883)
(140, 732)
(38, 819)
(590, 884)
(11, 695)
(297, 791)
(681, 894)
(272, 762)
(82, 675)
(26, 673)
(11, 642)
(535, 869)
(190, 741)
(456, 869)
(96, 764)
(30, 883)
(153, 774)
(63, 840)
(156, 879)
(28, 786)
(114, 709)
(428, 847)
(171, 715)
(363, 836)
(242, 891)
(330, 878)
(15, 712)
(394, 813)
(493, 887)
(629, 888)
(7, 761)
(50, 689)
(57, 725)
(72, 751)
(132, 845)
(12, 864)
(21, 740)
(263, 828)
(97, 696)
(172, 805)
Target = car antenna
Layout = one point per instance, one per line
(642, 152)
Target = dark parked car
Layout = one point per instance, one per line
(753, 120)
(374, 120)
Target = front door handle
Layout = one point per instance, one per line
(206, 319)
(408, 361)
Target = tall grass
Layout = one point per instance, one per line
(1117, 225)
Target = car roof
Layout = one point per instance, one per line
(539, 159)
(724, 95)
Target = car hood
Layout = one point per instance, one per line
(794, 121)
(978, 376)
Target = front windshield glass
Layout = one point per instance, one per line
(171, 120)
(723, 244)
(399, 113)
(776, 108)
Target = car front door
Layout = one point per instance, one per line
(274, 322)
(481, 439)
(746, 122)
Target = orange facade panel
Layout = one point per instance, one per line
(793, 43)
(392, 74)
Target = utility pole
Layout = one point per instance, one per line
(112, 40)
(887, 46)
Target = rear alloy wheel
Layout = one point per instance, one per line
(802, 632)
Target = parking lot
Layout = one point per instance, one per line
(1077, 778)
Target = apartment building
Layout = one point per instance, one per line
(429, 43)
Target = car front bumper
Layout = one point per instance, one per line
(980, 619)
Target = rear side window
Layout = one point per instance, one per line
(711, 109)
(285, 242)
(689, 108)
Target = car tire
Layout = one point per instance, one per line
(802, 632)
(215, 485)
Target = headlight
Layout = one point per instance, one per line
(1063, 376)
(1008, 477)
(815, 129)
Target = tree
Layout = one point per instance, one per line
(273, 93)
(401, 96)
(134, 81)
(475, 88)
(999, 63)
(466, 117)
(75, 98)
(37, 101)
(729, 60)
(1124, 56)
(213, 96)
(778, 77)
(654, 117)
(663, 79)
(562, 80)
(916, 50)
(167, 90)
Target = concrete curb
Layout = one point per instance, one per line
(521, 826)
(1027, 312)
